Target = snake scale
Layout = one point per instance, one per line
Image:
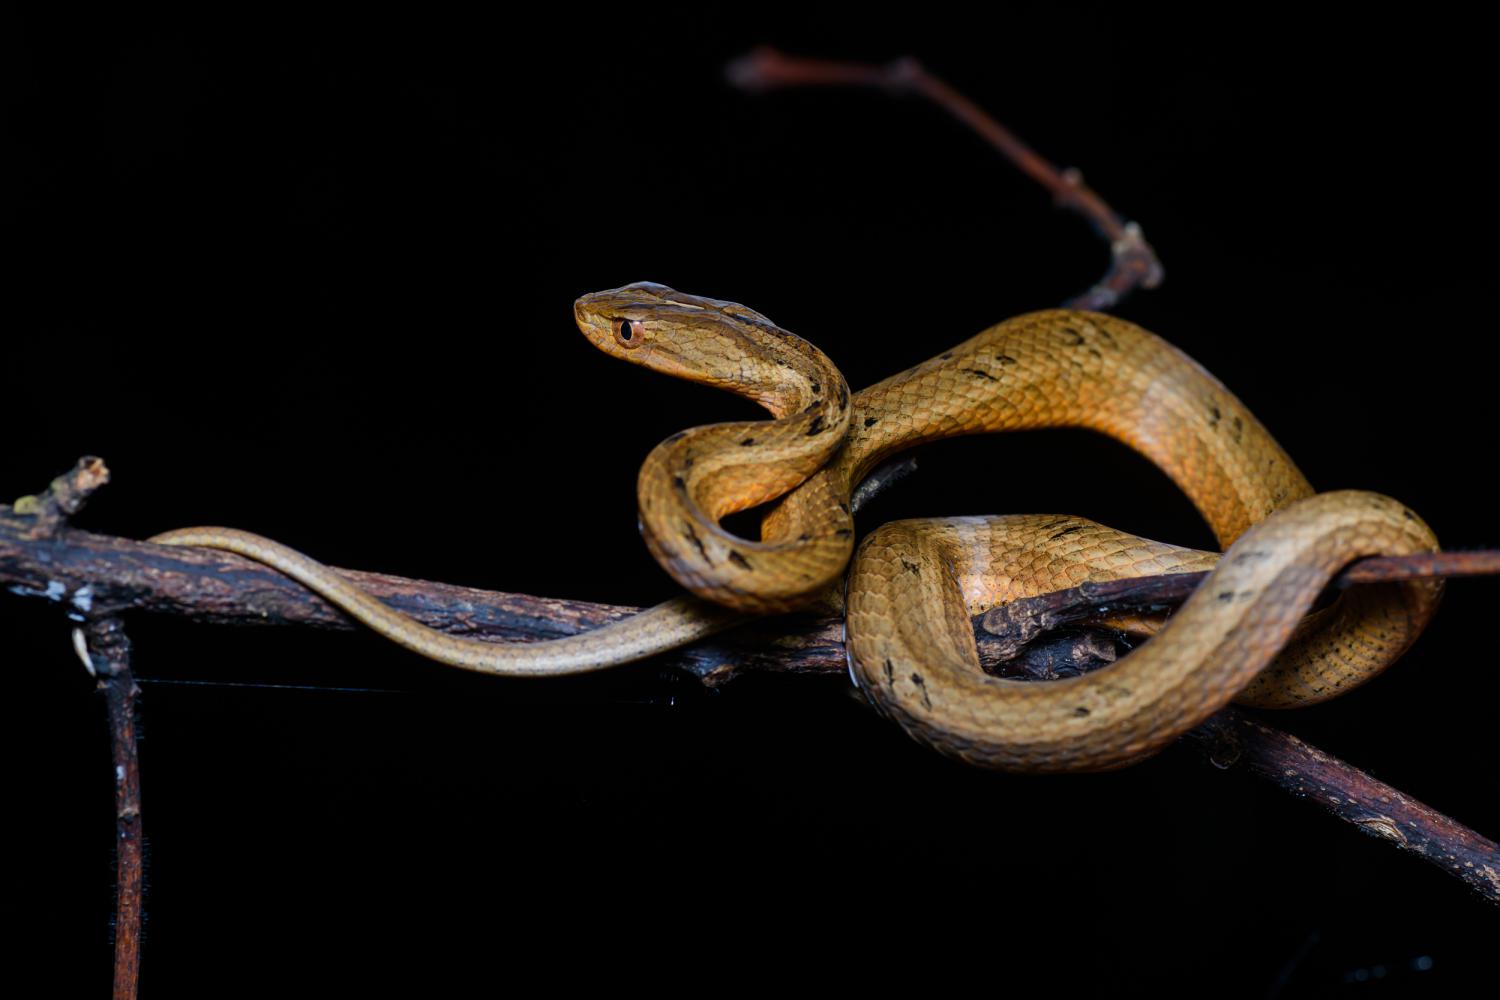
(1249, 632)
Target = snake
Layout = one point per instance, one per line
(1254, 631)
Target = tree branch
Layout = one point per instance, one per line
(104, 576)
(1234, 739)
(105, 650)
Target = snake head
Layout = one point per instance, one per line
(686, 336)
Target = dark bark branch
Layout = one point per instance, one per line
(1133, 262)
(1234, 739)
(105, 650)
(110, 575)
(1007, 629)
(108, 655)
(105, 576)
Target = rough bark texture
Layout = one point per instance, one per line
(101, 576)
(107, 653)
(1234, 739)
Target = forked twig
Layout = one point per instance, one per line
(105, 651)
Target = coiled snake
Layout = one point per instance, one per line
(914, 585)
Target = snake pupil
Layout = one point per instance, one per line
(626, 333)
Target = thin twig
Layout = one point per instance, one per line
(107, 655)
(1133, 262)
(1006, 629)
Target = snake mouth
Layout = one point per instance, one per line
(595, 326)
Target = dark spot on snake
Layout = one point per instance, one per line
(817, 387)
(911, 567)
(843, 532)
(1080, 711)
(1406, 513)
(1239, 428)
(843, 507)
(692, 536)
(687, 463)
(739, 560)
(890, 673)
(981, 373)
(1213, 416)
(1065, 531)
(678, 482)
(916, 679)
(947, 356)
(1073, 332)
(1108, 337)
(871, 421)
(843, 394)
(816, 427)
(1095, 352)
(804, 537)
(1005, 359)
(747, 442)
(1227, 595)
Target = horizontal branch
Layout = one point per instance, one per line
(106, 575)
(1006, 629)
(99, 575)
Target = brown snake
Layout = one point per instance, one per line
(915, 584)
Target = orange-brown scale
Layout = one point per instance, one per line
(694, 479)
(915, 584)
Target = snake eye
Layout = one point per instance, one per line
(628, 333)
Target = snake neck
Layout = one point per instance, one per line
(695, 478)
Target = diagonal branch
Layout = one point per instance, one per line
(1133, 262)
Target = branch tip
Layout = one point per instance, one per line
(64, 497)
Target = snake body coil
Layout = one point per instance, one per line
(914, 584)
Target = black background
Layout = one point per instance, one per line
(314, 279)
